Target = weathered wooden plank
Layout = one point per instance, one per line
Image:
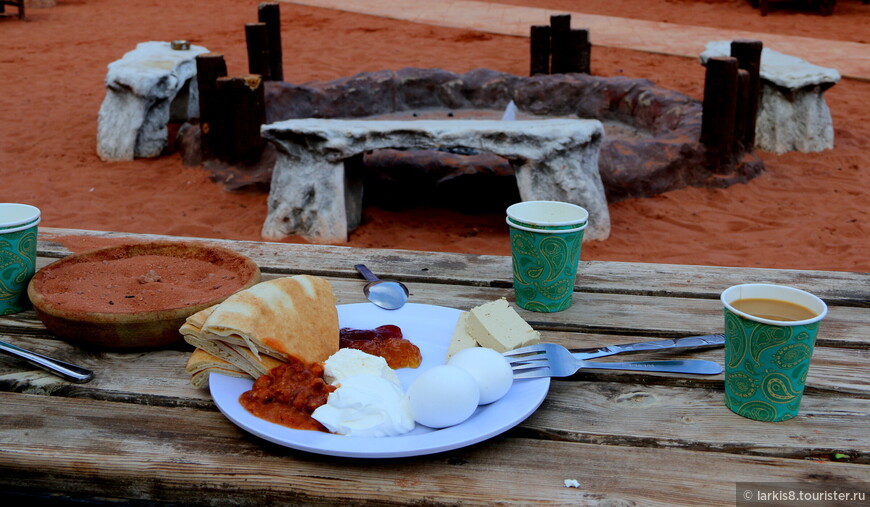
(625, 317)
(834, 369)
(634, 414)
(132, 375)
(836, 287)
(624, 314)
(159, 376)
(198, 457)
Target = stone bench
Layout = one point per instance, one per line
(317, 193)
(145, 89)
(792, 113)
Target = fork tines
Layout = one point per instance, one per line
(525, 354)
(539, 347)
(531, 368)
(542, 371)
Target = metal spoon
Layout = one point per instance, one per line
(388, 294)
(65, 370)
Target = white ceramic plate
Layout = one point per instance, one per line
(428, 327)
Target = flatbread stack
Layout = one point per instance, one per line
(201, 364)
(259, 328)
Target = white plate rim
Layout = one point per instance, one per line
(524, 397)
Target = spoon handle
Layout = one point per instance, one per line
(365, 272)
(68, 371)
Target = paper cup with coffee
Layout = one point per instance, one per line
(18, 224)
(770, 333)
(546, 237)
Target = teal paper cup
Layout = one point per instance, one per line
(18, 224)
(546, 237)
(767, 357)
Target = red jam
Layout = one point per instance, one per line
(385, 341)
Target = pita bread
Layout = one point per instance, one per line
(201, 364)
(193, 324)
(191, 330)
(240, 358)
(284, 317)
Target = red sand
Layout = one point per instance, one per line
(808, 211)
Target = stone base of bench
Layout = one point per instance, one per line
(792, 112)
(317, 188)
(145, 90)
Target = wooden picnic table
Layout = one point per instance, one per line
(140, 432)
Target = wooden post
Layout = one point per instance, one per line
(741, 116)
(242, 111)
(257, 37)
(748, 54)
(560, 35)
(540, 50)
(17, 3)
(209, 67)
(581, 51)
(720, 102)
(270, 14)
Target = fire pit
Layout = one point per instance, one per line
(651, 142)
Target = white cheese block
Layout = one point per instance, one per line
(461, 339)
(496, 325)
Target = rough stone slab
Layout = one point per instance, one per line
(792, 112)
(313, 195)
(783, 70)
(140, 90)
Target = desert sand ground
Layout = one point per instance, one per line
(807, 211)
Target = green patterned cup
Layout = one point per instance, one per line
(18, 224)
(766, 361)
(546, 237)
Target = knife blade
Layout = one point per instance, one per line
(693, 366)
(710, 340)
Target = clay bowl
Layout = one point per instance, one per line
(157, 285)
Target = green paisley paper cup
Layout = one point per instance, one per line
(546, 237)
(767, 361)
(18, 225)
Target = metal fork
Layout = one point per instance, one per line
(552, 360)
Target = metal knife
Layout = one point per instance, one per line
(710, 340)
(693, 366)
(63, 369)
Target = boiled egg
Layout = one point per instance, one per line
(490, 370)
(443, 396)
